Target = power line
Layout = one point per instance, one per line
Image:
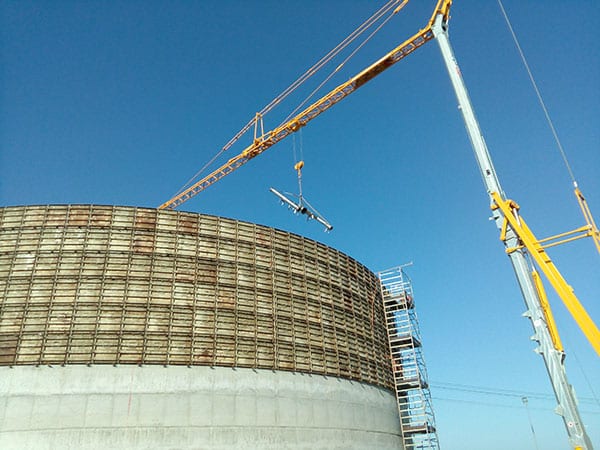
(497, 405)
(525, 401)
(500, 392)
(581, 369)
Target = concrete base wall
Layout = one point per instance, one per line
(132, 407)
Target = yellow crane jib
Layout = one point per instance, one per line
(270, 138)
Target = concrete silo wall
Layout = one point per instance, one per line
(131, 407)
(100, 286)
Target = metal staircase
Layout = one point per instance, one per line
(417, 420)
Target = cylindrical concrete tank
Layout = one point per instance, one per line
(124, 327)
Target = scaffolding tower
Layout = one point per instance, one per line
(417, 420)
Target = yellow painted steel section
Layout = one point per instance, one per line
(553, 241)
(583, 233)
(539, 287)
(270, 138)
(509, 209)
(587, 213)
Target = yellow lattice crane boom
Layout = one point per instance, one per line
(270, 138)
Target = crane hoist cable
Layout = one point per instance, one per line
(537, 92)
(299, 203)
(335, 51)
(393, 5)
(591, 229)
(298, 163)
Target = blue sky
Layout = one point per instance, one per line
(121, 102)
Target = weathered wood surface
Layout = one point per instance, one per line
(83, 284)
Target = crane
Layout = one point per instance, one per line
(521, 242)
(525, 251)
(266, 140)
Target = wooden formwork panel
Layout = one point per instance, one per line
(87, 284)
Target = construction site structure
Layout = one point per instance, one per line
(525, 251)
(141, 329)
(411, 385)
(89, 285)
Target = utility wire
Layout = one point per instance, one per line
(525, 401)
(583, 372)
(586, 378)
(500, 392)
(436, 398)
(539, 95)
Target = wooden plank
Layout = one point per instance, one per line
(119, 285)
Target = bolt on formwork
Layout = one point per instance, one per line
(417, 420)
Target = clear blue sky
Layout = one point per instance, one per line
(120, 102)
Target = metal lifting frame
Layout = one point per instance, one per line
(552, 355)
